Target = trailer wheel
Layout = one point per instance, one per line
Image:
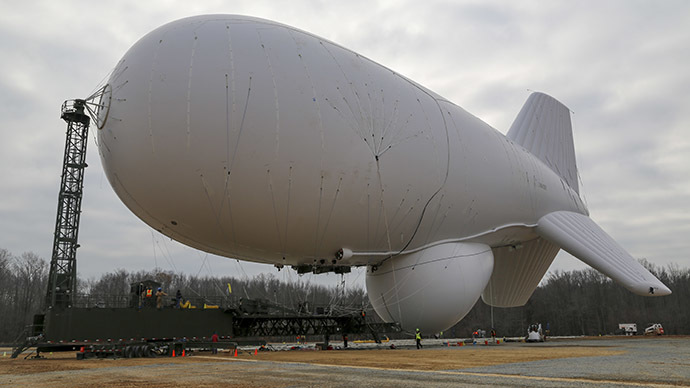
(139, 350)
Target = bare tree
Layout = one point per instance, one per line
(6, 295)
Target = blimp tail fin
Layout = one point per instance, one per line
(518, 271)
(583, 238)
(543, 127)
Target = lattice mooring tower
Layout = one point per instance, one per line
(62, 280)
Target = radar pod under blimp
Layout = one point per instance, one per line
(254, 140)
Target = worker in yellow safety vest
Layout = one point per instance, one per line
(148, 297)
(418, 338)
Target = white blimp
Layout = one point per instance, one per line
(254, 140)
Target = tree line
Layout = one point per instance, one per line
(585, 302)
(582, 302)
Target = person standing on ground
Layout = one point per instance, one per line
(159, 298)
(214, 345)
(140, 294)
(148, 297)
(178, 299)
(418, 338)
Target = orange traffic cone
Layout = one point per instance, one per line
(182, 352)
(173, 353)
(256, 351)
(235, 352)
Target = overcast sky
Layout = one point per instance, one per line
(622, 67)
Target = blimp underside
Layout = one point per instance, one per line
(254, 140)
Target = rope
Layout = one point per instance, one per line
(388, 238)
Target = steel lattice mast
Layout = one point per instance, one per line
(63, 264)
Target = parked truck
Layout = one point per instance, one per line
(654, 329)
(627, 328)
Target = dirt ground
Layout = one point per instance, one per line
(434, 358)
(67, 361)
(203, 369)
(438, 358)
